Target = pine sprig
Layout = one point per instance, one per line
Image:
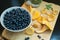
(48, 6)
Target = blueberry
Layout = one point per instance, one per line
(23, 11)
(42, 39)
(19, 23)
(5, 21)
(9, 14)
(9, 27)
(6, 14)
(8, 22)
(26, 13)
(18, 10)
(19, 20)
(18, 28)
(26, 21)
(13, 25)
(28, 16)
(5, 18)
(13, 11)
(5, 24)
(23, 24)
(39, 36)
(14, 28)
(14, 20)
(27, 38)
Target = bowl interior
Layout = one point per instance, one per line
(9, 9)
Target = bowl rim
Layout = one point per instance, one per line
(33, 5)
(8, 9)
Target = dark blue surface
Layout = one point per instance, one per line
(53, 1)
(56, 32)
(4, 4)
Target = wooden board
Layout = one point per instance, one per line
(21, 36)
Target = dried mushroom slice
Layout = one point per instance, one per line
(36, 24)
(43, 29)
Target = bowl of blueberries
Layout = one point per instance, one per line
(16, 19)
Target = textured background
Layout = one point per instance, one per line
(8, 3)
